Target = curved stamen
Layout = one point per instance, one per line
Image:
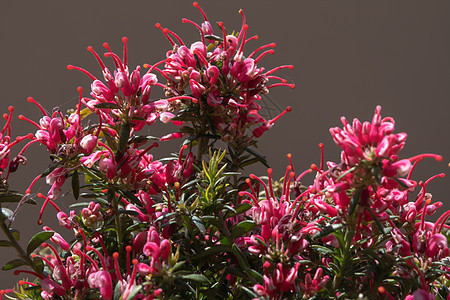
(157, 25)
(70, 67)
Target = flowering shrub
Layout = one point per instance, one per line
(190, 225)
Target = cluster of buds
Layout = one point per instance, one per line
(226, 84)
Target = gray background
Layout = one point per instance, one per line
(349, 57)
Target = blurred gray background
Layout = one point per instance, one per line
(349, 56)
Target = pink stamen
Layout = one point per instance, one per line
(99, 60)
(244, 28)
(269, 172)
(261, 48)
(292, 86)
(182, 97)
(180, 154)
(23, 118)
(195, 4)
(412, 168)
(102, 259)
(289, 156)
(290, 67)
(435, 156)
(255, 37)
(17, 272)
(303, 174)
(31, 100)
(271, 52)
(167, 30)
(44, 245)
(8, 121)
(125, 56)
(255, 201)
(422, 219)
(152, 67)
(224, 35)
(157, 25)
(116, 60)
(201, 57)
(47, 200)
(184, 20)
(28, 191)
(241, 12)
(154, 145)
(70, 67)
(321, 156)
(128, 250)
(288, 170)
(116, 266)
(288, 109)
(442, 220)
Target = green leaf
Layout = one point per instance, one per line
(328, 229)
(355, 201)
(75, 184)
(199, 224)
(242, 228)
(38, 263)
(239, 209)
(196, 277)
(261, 158)
(37, 240)
(124, 135)
(10, 196)
(4, 243)
(107, 105)
(240, 257)
(14, 264)
(15, 233)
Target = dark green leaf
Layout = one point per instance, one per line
(240, 257)
(10, 197)
(37, 240)
(355, 201)
(199, 224)
(243, 227)
(196, 277)
(107, 105)
(261, 158)
(38, 263)
(75, 184)
(14, 264)
(328, 229)
(4, 243)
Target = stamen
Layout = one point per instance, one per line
(116, 60)
(102, 259)
(290, 67)
(180, 154)
(255, 201)
(31, 100)
(182, 97)
(167, 30)
(443, 218)
(288, 109)
(241, 12)
(47, 200)
(321, 156)
(261, 48)
(116, 266)
(224, 35)
(435, 156)
(255, 37)
(152, 67)
(289, 156)
(23, 118)
(157, 25)
(288, 170)
(271, 52)
(8, 120)
(99, 60)
(128, 249)
(70, 67)
(125, 40)
(244, 28)
(17, 272)
(198, 27)
(269, 172)
(292, 86)
(195, 4)
(303, 174)
(412, 168)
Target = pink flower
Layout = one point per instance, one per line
(102, 280)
